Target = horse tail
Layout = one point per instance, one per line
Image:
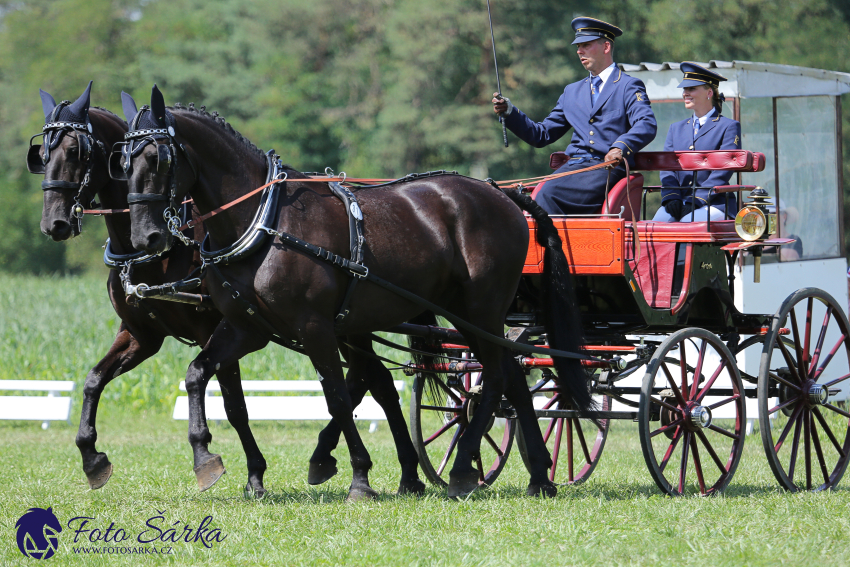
(561, 316)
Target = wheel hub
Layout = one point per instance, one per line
(700, 417)
(817, 395)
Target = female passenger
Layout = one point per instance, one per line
(706, 129)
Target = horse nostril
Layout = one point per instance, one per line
(60, 230)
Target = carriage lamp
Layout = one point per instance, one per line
(755, 222)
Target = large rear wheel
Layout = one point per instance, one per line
(804, 372)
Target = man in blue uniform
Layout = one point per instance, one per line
(609, 113)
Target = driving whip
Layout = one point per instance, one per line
(498, 82)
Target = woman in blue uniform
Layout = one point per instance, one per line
(706, 129)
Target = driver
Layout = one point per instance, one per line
(609, 113)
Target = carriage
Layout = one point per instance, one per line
(663, 305)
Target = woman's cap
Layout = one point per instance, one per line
(590, 29)
(696, 75)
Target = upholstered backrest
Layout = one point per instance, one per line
(727, 160)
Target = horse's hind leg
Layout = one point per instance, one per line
(125, 354)
(365, 371)
(226, 346)
(539, 460)
(230, 379)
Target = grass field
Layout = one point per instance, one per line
(58, 328)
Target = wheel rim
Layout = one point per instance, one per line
(692, 430)
(805, 431)
(440, 413)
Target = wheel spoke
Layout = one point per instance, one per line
(787, 428)
(667, 427)
(676, 392)
(582, 441)
(683, 468)
(798, 342)
(480, 466)
(828, 358)
(795, 444)
(450, 392)
(697, 465)
(557, 450)
(494, 445)
(837, 410)
(664, 404)
(722, 431)
(449, 452)
(836, 381)
(710, 382)
(683, 367)
(549, 428)
(671, 448)
(784, 404)
(819, 344)
(442, 408)
(711, 452)
(777, 378)
(806, 351)
(698, 369)
(828, 432)
(442, 430)
(819, 452)
(807, 447)
(789, 360)
(724, 402)
(570, 462)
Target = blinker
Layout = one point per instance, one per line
(163, 158)
(35, 163)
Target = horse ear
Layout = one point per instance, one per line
(158, 105)
(47, 103)
(129, 106)
(81, 106)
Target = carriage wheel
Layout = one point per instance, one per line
(692, 414)
(804, 429)
(575, 444)
(440, 410)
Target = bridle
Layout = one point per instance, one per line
(121, 166)
(51, 134)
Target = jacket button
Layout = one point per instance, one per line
(591, 120)
(591, 132)
(690, 147)
(591, 141)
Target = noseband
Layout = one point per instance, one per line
(121, 165)
(51, 134)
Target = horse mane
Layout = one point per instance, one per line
(214, 116)
(107, 111)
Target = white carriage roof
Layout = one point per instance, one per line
(745, 79)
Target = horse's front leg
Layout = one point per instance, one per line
(224, 349)
(230, 379)
(322, 348)
(126, 353)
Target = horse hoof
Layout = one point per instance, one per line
(463, 485)
(100, 475)
(415, 487)
(320, 473)
(542, 489)
(254, 493)
(361, 494)
(209, 472)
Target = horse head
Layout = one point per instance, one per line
(72, 158)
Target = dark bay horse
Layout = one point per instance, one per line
(73, 152)
(452, 240)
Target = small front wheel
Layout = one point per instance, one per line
(692, 414)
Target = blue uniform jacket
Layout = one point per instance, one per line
(622, 118)
(718, 133)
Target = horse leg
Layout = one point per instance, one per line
(230, 379)
(464, 477)
(226, 346)
(539, 459)
(126, 353)
(322, 348)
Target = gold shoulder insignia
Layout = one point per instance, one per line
(640, 97)
(736, 140)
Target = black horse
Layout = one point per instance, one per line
(451, 240)
(73, 158)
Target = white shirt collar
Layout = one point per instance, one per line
(605, 74)
(703, 119)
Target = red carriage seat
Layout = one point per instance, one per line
(618, 195)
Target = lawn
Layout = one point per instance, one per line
(58, 328)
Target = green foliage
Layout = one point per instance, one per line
(375, 88)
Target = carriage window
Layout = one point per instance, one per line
(808, 175)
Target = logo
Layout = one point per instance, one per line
(736, 140)
(38, 533)
(640, 97)
(706, 266)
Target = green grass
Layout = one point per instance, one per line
(617, 518)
